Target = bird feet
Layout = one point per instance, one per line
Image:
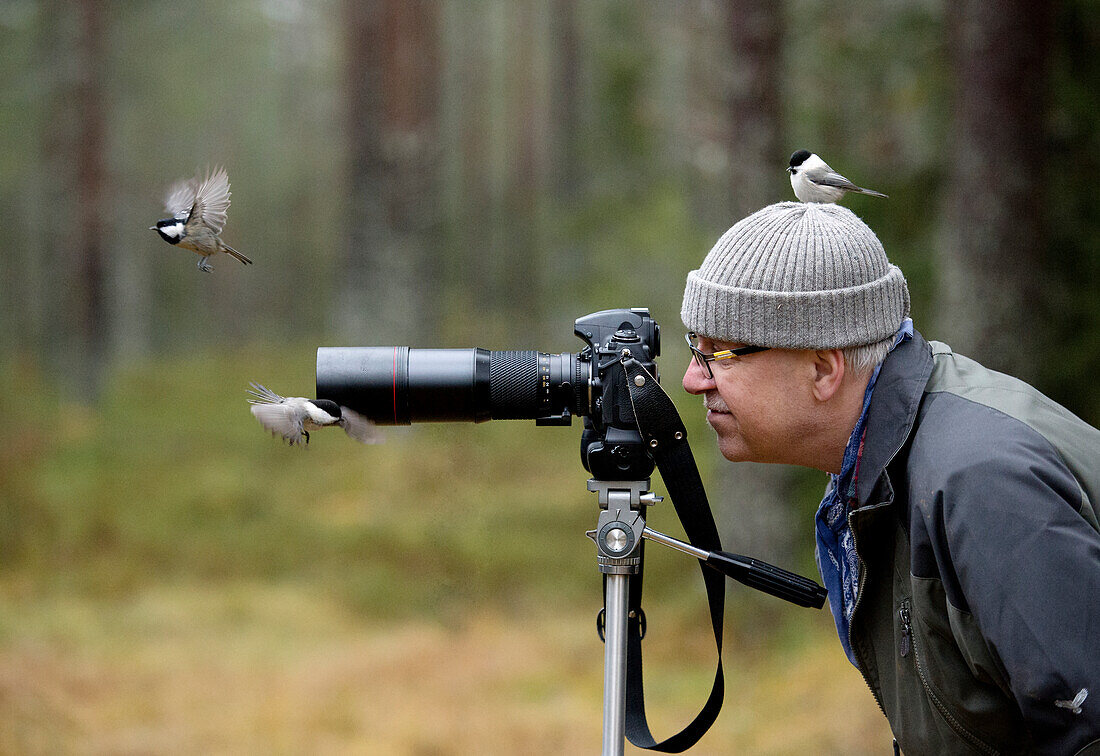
(204, 266)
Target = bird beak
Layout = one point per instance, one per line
(152, 228)
(790, 169)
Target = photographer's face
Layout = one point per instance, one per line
(760, 405)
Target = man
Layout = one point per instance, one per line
(958, 536)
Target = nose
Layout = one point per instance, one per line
(696, 380)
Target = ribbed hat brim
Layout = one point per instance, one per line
(831, 319)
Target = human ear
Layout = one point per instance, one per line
(828, 373)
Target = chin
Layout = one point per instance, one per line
(734, 450)
(730, 443)
(738, 455)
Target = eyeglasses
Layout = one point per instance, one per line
(705, 359)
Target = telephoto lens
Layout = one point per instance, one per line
(401, 385)
(398, 385)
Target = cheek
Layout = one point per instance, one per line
(744, 411)
(764, 404)
(748, 412)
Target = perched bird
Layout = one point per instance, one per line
(198, 215)
(814, 181)
(295, 416)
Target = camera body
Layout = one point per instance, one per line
(402, 385)
(611, 446)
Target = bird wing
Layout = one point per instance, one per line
(359, 427)
(281, 419)
(264, 395)
(212, 200)
(832, 178)
(180, 198)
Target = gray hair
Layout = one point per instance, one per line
(864, 357)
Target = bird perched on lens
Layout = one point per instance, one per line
(198, 215)
(294, 417)
(814, 181)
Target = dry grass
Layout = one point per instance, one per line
(257, 669)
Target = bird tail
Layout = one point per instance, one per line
(230, 251)
(873, 193)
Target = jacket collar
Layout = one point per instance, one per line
(894, 402)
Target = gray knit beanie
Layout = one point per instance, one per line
(799, 276)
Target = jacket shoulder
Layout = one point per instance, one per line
(998, 410)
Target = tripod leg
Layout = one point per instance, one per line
(618, 538)
(616, 602)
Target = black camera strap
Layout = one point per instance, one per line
(663, 431)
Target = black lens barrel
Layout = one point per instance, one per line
(400, 385)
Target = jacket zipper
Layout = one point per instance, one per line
(862, 575)
(860, 583)
(906, 629)
(909, 640)
(859, 597)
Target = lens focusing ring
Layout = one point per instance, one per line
(514, 384)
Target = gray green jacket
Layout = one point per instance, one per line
(977, 620)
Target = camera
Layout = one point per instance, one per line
(399, 385)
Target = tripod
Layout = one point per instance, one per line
(618, 536)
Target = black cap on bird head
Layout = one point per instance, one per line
(170, 229)
(328, 406)
(798, 157)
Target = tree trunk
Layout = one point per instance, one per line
(991, 257)
(566, 257)
(41, 300)
(389, 275)
(754, 141)
(520, 266)
(565, 107)
(754, 503)
(88, 246)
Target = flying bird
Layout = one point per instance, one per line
(814, 181)
(198, 214)
(295, 416)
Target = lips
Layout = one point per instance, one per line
(715, 412)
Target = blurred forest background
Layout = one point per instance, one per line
(462, 173)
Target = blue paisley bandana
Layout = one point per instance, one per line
(836, 553)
